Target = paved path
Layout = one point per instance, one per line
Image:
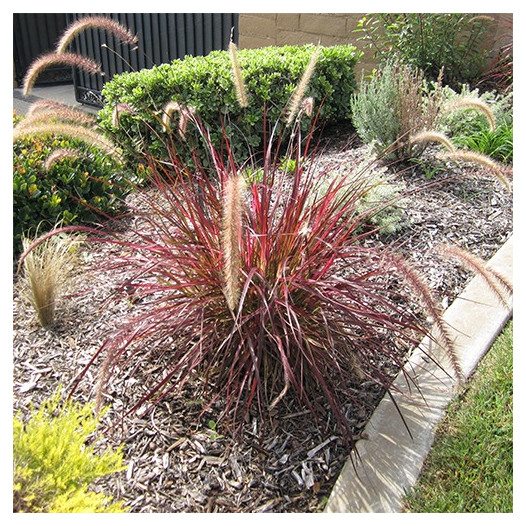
(64, 93)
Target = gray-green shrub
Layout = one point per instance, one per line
(393, 104)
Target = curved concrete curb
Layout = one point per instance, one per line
(385, 465)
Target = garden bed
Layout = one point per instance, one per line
(179, 463)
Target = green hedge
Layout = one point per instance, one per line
(205, 83)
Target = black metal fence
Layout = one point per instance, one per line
(163, 37)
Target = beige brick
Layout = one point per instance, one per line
(258, 26)
(269, 16)
(298, 38)
(329, 40)
(252, 42)
(289, 21)
(323, 24)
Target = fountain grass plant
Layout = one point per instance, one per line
(264, 290)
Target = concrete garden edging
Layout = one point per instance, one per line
(386, 463)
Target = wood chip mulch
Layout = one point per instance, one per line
(178, 462)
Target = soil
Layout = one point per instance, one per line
(180, 462)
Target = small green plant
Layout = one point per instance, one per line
(497, 144)
(253, 175)
(55, 460)
(46, 272)
(381, 204)
(430, 42)
(394, 104)
(288, 165)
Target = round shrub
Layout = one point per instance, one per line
(74, 190)
(206, 85)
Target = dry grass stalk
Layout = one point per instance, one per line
(98, 22)
(497, 283)
(432, 136)
(299, 93)
(231, 238)
(241, 93)
(77, 132)
(440, 328)
(416, 112)
(47, 269)
(54, 59)
(482, 160)
(473, 104)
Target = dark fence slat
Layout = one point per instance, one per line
(33, 35)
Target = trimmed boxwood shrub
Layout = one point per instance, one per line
(206, 84)
(74, 190)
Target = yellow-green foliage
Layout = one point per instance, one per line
(53, 463)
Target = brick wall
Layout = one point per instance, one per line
(279, 29)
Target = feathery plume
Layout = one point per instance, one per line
(99, 22)
(57, 113)
(45, 105)
(231, 238)
(53, 59)
(480, 159)
(185, 113)
(77, 132)
(484, 18)
(169, 109)
(59, 155)
(497, 283)
(440, 328)
(474, 104)
(307, 106)
(241, 93)
(432, 136)
(121, 107)
(299, 92)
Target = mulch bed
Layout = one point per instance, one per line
(178, 462)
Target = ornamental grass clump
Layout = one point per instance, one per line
(47, 271)
(260, 294)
